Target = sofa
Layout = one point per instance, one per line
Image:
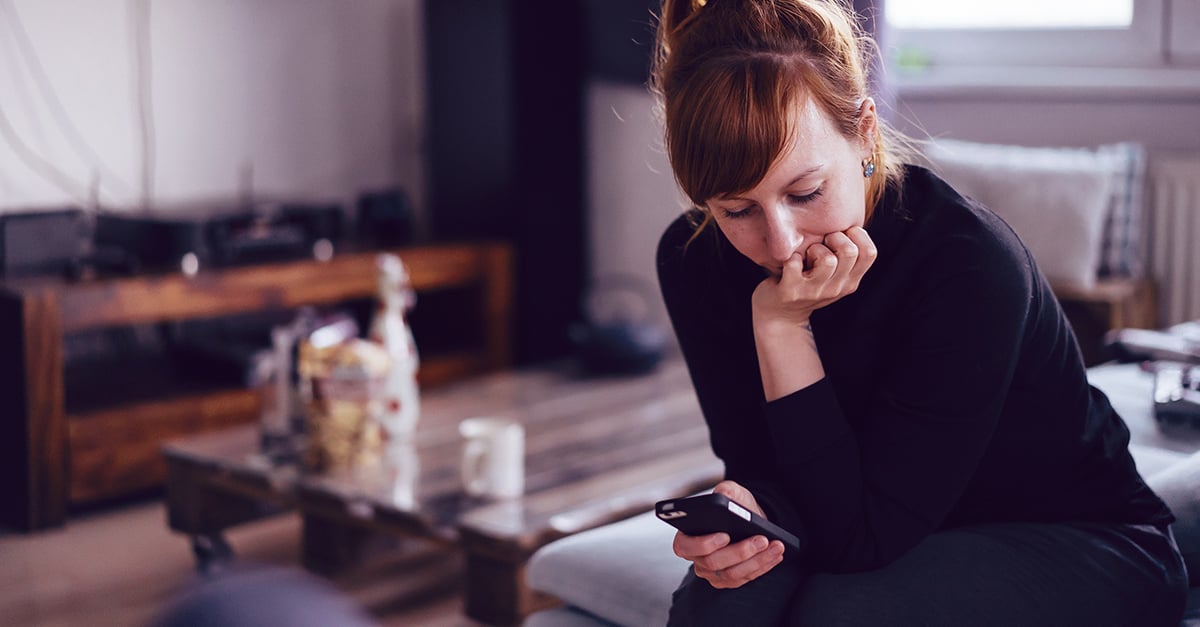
(623, 573)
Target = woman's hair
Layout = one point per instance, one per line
(730, 74)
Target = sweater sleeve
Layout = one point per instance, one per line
(723, 368)
(868, 494)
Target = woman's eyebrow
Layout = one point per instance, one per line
(806, 173)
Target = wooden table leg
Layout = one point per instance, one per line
(197, 507)
(212, 552)
(330, 547)
(495, 592)
(203, 511)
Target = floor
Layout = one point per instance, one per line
(121, 566)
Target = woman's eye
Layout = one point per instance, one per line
(801, 199)
(737, 213)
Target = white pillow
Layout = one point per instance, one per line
(1056, 199)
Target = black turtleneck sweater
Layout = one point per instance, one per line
(954, 390)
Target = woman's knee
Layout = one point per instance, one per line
(764, 601)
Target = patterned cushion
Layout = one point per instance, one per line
(1120, 254)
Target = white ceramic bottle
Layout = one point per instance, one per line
(402, 401)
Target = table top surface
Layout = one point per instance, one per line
(596, 449)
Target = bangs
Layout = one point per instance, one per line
(733, 123)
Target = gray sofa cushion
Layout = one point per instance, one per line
(1179, 487)
(623, 573)
(1151, 461)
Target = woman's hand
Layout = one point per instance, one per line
(835, 267)
(725, 565)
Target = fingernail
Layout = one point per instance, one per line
(777, 549)
(760, 543)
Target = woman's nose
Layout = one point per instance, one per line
(781, 237)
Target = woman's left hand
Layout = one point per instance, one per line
(781, 308)
(835, 267)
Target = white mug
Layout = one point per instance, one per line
(493, 462)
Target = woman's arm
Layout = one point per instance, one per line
(710, 314)
(708, 296)
(782, 308)
(869, 493)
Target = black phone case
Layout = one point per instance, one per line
(712, 513)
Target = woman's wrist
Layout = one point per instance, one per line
(787, 357)
(780, 326)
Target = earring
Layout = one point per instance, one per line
(868, 167)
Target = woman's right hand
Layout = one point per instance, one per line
(725, 565)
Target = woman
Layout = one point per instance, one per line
(883, 369)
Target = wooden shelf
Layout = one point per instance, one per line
(1109, 304)
(116, 451)
(153, 298)
(95, 432)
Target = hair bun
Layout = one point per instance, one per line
(675, 16)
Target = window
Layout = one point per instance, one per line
(1025, 14)
(1097, 33)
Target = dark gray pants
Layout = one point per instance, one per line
(1058, 575)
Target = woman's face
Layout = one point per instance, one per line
(815, 188)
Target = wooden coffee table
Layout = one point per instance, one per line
(597, 450)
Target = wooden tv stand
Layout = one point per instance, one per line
(56, 451)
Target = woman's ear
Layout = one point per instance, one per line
(868, 126)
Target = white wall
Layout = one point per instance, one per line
(632, 195)
(317, 98)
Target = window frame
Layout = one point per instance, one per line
(1183, 35)
(1142, 44)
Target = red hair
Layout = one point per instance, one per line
(730, 75)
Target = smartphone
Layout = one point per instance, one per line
(713, 513)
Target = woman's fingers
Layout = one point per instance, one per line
(855, 253)
(753, 568)
(735, 492)
(740, 563)
(843, 247)
(732, 555)
(695, 547)
(867, 252)
(822, 262)
(862, 239)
